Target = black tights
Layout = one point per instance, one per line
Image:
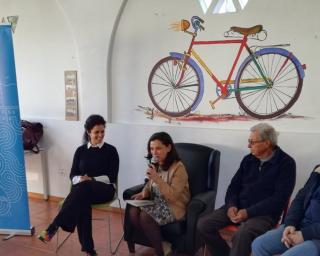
(142, 221)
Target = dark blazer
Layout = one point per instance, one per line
(300, 204)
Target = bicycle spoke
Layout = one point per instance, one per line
(249, 94)
(165, 68)
(162, 78)
(253, 67)
(285, 74)
(161, 92)
(166, 107)
(186, 80)
(188, 85)
(282, 93)
(167, 91)
(171, 72)
(275, 103)
(186, 95)
(175, 100)
(273, 74)
(180, 98)
(259, 99)
(273, 67)
(263, 67)
(279, 98)
(162, 84)
(284, 81)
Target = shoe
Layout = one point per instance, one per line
(166, 247)
(46, 235)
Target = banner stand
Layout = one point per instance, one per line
(14, 204)
(13, 233)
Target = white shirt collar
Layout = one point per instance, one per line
(89, 145)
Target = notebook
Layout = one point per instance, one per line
(139, 203)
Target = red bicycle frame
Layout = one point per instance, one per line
(223, 88)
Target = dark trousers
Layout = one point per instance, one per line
(76, 209)
(210, 224)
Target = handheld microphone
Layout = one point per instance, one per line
(153, 161)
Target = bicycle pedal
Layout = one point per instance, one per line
(212, 104)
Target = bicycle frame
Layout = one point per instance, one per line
(225, 90)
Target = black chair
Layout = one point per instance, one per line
(202, 164)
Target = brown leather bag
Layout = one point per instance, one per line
(32, 132)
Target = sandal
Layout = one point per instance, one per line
(46, 235)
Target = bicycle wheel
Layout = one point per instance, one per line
(281, 69)
(166, 95)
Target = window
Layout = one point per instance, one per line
(223, 6)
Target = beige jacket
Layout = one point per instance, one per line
(174, 187)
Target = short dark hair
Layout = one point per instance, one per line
(166, 140)
(91, 122)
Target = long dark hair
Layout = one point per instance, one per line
(91, 122)
(165, 140)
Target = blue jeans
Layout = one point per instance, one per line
(270, 244)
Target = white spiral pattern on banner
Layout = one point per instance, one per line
(11, 187)
(7, 137)
(11, 169)
(4, 205)
(13, 165)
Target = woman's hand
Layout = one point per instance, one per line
(152, 173)
(138, 196)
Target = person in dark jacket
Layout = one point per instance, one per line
(93, 175)
(256, 196)
(300, 234)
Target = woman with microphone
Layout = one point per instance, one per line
(167, 185)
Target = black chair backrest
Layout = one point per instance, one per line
(202, 164)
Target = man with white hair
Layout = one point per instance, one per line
(256, 196)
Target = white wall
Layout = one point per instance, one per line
(53, 36)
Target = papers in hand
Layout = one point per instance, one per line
(139, 203)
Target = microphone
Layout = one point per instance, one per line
(155, 162)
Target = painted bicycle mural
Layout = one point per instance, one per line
(267, 83)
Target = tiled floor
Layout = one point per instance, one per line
(42, 212)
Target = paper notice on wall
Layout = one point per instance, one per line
(71, 95)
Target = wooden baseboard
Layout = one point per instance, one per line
(57, 199)
(36, 195)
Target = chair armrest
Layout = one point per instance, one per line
(199, 205)
(208, 199)
(131, 191)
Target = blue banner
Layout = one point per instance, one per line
(14, 208)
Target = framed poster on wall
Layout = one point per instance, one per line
(71, 95)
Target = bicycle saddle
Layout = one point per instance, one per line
(247, 31)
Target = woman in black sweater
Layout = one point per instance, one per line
(93, 175)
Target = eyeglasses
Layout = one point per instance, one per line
(253, 142)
